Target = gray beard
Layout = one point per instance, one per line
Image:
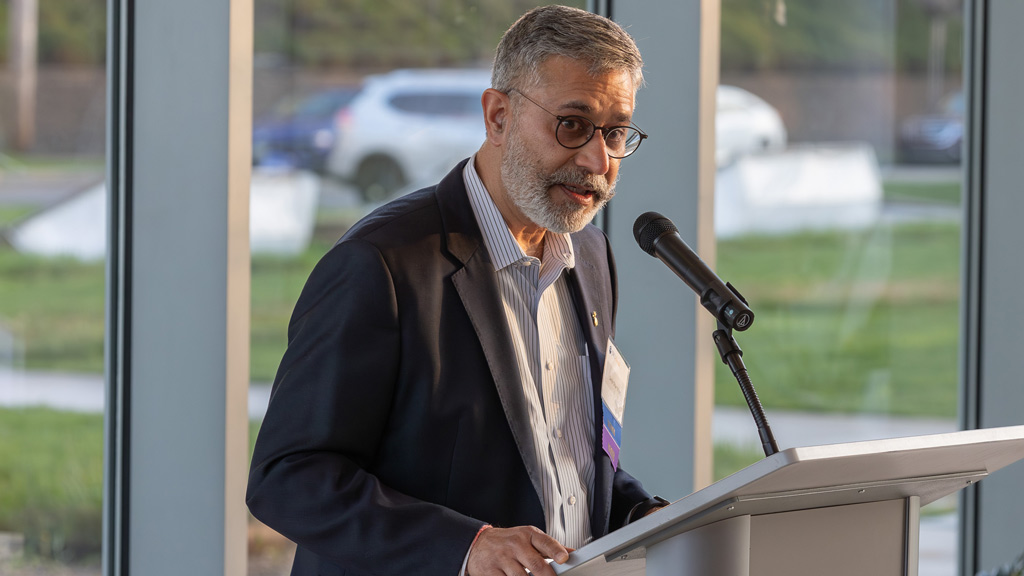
(528, 187)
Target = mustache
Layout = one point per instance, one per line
(573, 176)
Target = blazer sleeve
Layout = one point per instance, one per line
(328, 411)
(631, 501)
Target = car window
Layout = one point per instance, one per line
(437, 103)
(324, 105)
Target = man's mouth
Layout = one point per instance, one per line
(580, 195)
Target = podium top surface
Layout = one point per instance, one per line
(928, 467)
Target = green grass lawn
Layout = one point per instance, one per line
(51, 481)
(15, 162)
(849, 322)
(12, 214)
(928, 192)
(54, 308)
(276, 284)
(865, 321)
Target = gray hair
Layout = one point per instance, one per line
(548, 31)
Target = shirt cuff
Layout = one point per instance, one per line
(465, 561)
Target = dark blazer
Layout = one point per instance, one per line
(396, 426)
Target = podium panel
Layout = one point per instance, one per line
(852, 540)
(722, 549)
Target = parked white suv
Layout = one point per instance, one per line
(408, 127)
(745, 124)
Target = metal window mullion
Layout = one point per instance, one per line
(117, 417)
(972, 263)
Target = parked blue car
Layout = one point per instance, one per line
(301, 133)
(937, 137)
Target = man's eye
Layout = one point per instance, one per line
(615, 135)
(574, 124)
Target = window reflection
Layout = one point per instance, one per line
(846, 241)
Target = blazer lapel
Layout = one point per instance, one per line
(477, 285)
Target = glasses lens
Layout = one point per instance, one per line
(618, 140)
(574, 131)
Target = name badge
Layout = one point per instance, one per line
(613, 401)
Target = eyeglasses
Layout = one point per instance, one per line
(574, 132)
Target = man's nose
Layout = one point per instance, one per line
(594, 155)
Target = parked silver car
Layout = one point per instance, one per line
(408, 127)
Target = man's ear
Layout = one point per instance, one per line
(496, 115)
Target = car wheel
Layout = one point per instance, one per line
(378, 178)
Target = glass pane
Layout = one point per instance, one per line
(839, 130)
(52, 246)
(354, 104)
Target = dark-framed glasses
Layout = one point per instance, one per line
(575, 131)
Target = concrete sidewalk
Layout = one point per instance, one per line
(81, 392)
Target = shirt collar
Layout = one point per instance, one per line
(501, 245)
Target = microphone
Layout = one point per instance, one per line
(659, 237)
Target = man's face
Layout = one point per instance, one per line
(554, 187)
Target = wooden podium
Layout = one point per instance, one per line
(842, 509)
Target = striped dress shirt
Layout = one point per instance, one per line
(553, 366)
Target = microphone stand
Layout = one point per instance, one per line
(733, 357)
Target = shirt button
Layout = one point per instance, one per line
(558, 432)
(572, 500)
(549, 365)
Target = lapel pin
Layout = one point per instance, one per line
(594, 316)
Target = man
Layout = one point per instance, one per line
(445, 359)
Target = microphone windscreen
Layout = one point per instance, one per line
(650, 226)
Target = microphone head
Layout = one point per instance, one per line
(650, 226)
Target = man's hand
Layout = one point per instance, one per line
(501, 551)
(653, 510)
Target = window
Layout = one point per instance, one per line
(52, 225)
(845, 237)
(438, 104)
